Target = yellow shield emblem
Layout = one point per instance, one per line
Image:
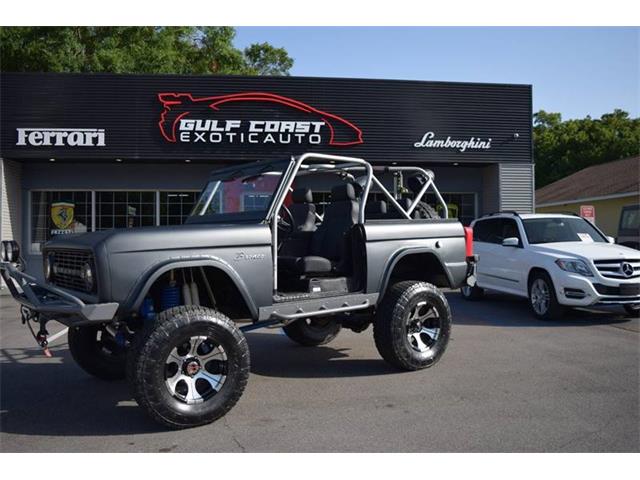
(62, 214)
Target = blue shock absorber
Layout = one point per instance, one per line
(170, 296)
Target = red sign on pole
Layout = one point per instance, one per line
(588, 212)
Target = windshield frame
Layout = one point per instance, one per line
(603, 238)
(217, 178)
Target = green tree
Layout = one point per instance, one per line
(180, 50)
(564, 147)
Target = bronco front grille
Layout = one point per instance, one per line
(617, 269)
(67, 266)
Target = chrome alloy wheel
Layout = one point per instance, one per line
(540, 296)
(195, 370)
(423, 327)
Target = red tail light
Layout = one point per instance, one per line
(468, 240)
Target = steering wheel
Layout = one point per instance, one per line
(286, 224)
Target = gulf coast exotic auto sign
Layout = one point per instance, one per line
(281, 120)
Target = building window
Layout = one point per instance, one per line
(58, 213)
(125, 209)
(320, 200)
(256, 201)
(460, 205)
(176, 206)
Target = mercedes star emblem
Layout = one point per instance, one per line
(627, 269)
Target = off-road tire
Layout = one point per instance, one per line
(313, 332)
(146, 365)
(425, 211)
(633, 311)
(554, 311)
(390, 328)
(471, 293)
(96, 352)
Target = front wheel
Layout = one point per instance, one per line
(633, 310)
(190, 368)
(412, 326)
(97, 352)
(542, 298)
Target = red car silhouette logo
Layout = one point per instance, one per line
(179, 105)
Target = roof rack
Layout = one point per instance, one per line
(510, 212)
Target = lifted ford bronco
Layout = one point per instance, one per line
(255, 252)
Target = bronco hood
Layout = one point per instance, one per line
(174, 237)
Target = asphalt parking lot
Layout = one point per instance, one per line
(507, 382)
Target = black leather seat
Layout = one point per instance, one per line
(329, 251)
(376, 210)
(303, 210)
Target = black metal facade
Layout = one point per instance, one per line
(379, 120)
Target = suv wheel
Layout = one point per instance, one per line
(542, 297)
(190, 368)
(412, 325)
(96, 352)
(471, 293)
(312, 332)
(633, 310)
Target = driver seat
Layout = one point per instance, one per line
(303, 210)
(330, 250)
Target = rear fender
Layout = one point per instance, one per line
(404, 254)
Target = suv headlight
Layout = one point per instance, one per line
(574, 266)
(87, 276)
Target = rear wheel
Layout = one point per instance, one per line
(633, 310)
(190, 368)
(412, 326)
(312, 332)
(542, 297)
(96, 352)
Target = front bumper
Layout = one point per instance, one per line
(51, 302)
(578, 291)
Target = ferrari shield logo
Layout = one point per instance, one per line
(62, 214)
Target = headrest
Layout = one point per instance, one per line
(416, 183)
(377, 207)
(302, 195)
(343, 192)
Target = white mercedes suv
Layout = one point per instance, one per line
(555, 261)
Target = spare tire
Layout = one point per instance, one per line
(425, 211)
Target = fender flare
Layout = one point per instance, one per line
(149, 276)
(399, 255)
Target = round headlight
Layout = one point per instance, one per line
(16, 251)
(48, 265)
(10, 251)
(87, 275)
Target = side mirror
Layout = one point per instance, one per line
(511, 242)
(611, 239)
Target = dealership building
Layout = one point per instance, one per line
(86, 152)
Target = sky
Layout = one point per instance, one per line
(576, 71)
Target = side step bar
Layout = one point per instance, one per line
(291, 311)
(288, 318)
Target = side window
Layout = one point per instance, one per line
(480, 231)
(488, 231)
(509, 229)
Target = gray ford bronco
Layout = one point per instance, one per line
(166, 307)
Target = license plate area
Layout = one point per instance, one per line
(630, 289)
